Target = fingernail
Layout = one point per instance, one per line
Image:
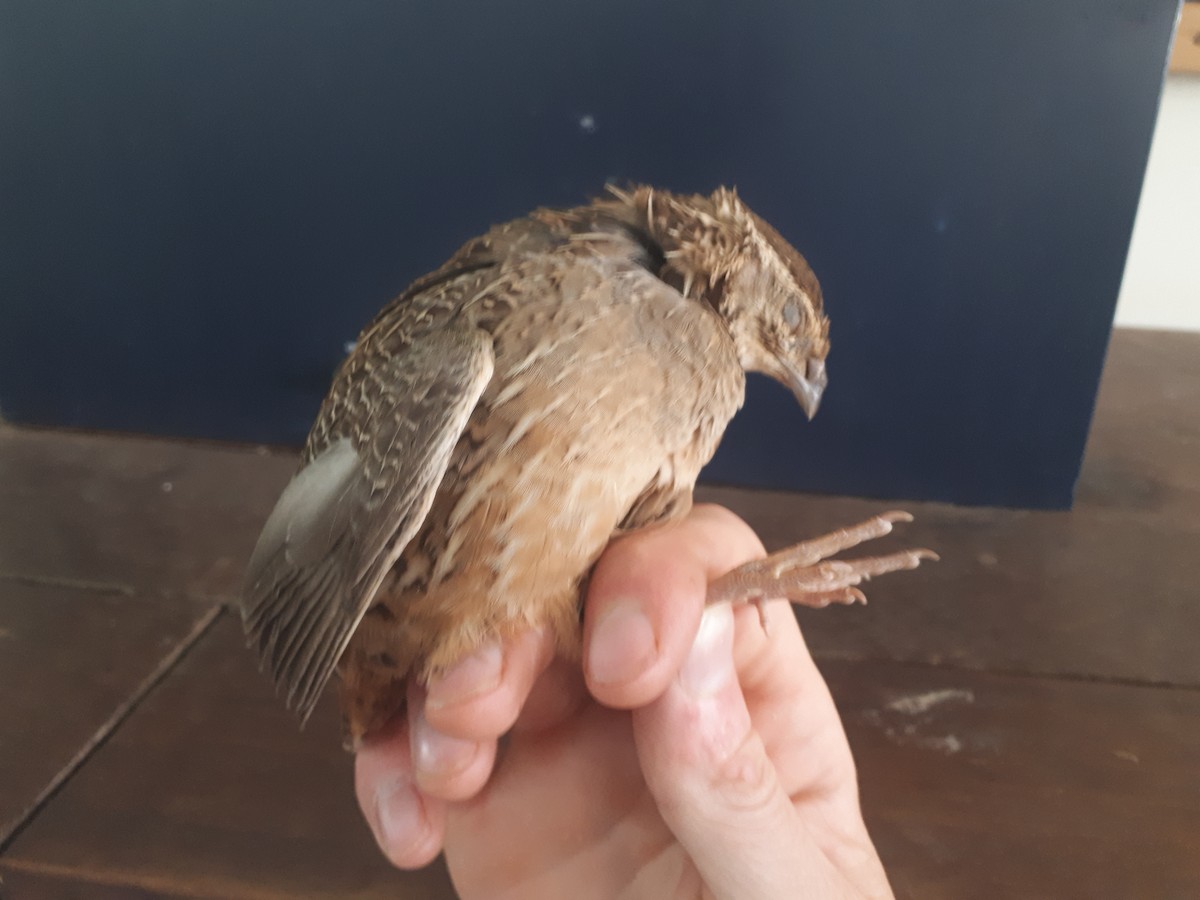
(709, 664)
(476, 674)
(398, 812)
(435, 753)
(623, 644)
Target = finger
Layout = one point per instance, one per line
(799, 726)
(645, 599)
(445, 767)
(715, 785)
(794, 713)
(481, 696)
(408, 827)
(555, 696)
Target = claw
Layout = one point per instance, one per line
(760, 603)
(804, 574)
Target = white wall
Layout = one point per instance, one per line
(1161, 288)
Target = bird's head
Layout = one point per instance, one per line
(716, 248)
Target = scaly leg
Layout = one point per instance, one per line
(803, 575)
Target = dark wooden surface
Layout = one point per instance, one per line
(1026, 714)
(240, 804)
(983, 785)
(139, 515)
(62, 684)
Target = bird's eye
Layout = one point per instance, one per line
(791, 314)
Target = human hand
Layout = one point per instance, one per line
(702, 757)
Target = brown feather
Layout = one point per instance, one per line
(616, 336)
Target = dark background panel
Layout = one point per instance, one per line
(202, 202)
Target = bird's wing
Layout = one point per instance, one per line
(348, 514)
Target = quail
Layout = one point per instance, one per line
(559, 381)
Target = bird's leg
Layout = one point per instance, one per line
(804, 575)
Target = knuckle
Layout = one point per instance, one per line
(745, 782)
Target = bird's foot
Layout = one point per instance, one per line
(803, 574)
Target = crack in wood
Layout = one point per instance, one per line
(118, 716)
(75, 584)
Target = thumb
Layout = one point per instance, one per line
(716, 787)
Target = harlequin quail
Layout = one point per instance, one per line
(561, 380)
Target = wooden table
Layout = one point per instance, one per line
(1026, 714)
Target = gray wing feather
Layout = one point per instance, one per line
(348, 514)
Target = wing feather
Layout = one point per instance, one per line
(349, 513)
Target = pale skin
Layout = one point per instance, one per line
(695, 755)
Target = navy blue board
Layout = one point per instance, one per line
(202, 201)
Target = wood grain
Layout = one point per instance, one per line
(211, 790)
(69, 662)
(132, 514)
(981, 785)
(17, 885)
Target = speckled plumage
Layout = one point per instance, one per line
(560, 379)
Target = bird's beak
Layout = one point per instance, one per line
(809, 385)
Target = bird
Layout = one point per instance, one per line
(561, 380)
